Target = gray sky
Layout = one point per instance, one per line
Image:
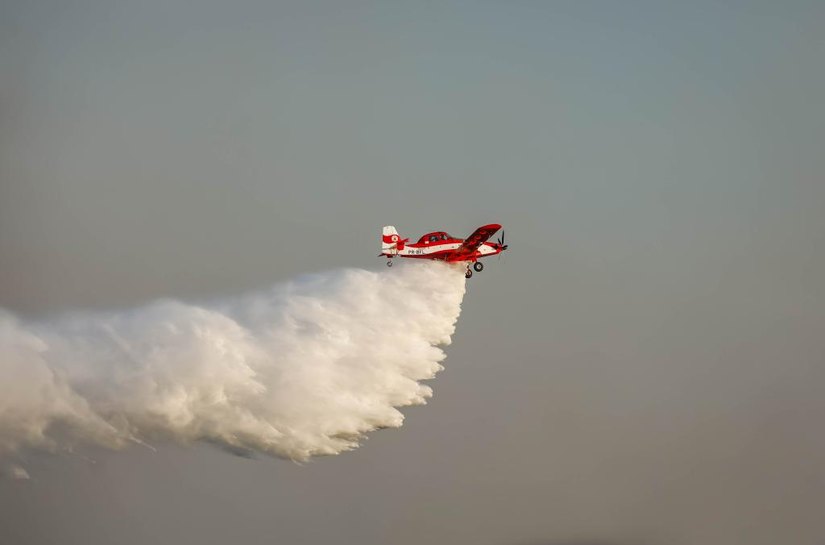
(644, 367)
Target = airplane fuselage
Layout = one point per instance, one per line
(443, 250)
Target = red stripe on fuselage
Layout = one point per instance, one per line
(450, 255)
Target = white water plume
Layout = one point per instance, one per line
(303, 369)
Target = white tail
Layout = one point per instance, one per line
(389, 239)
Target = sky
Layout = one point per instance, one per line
(643, 367)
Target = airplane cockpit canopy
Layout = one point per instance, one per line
(438, 236)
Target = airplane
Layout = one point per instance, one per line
(439, 245)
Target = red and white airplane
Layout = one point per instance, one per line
(441, 246)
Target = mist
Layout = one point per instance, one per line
(302, 369)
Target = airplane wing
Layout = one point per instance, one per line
(479, 237)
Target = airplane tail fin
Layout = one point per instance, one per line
(389, 239)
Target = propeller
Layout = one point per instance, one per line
(501, 241)
(501, 245)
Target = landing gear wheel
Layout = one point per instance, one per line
(389, 263)
(468, 274)
(478, 266)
